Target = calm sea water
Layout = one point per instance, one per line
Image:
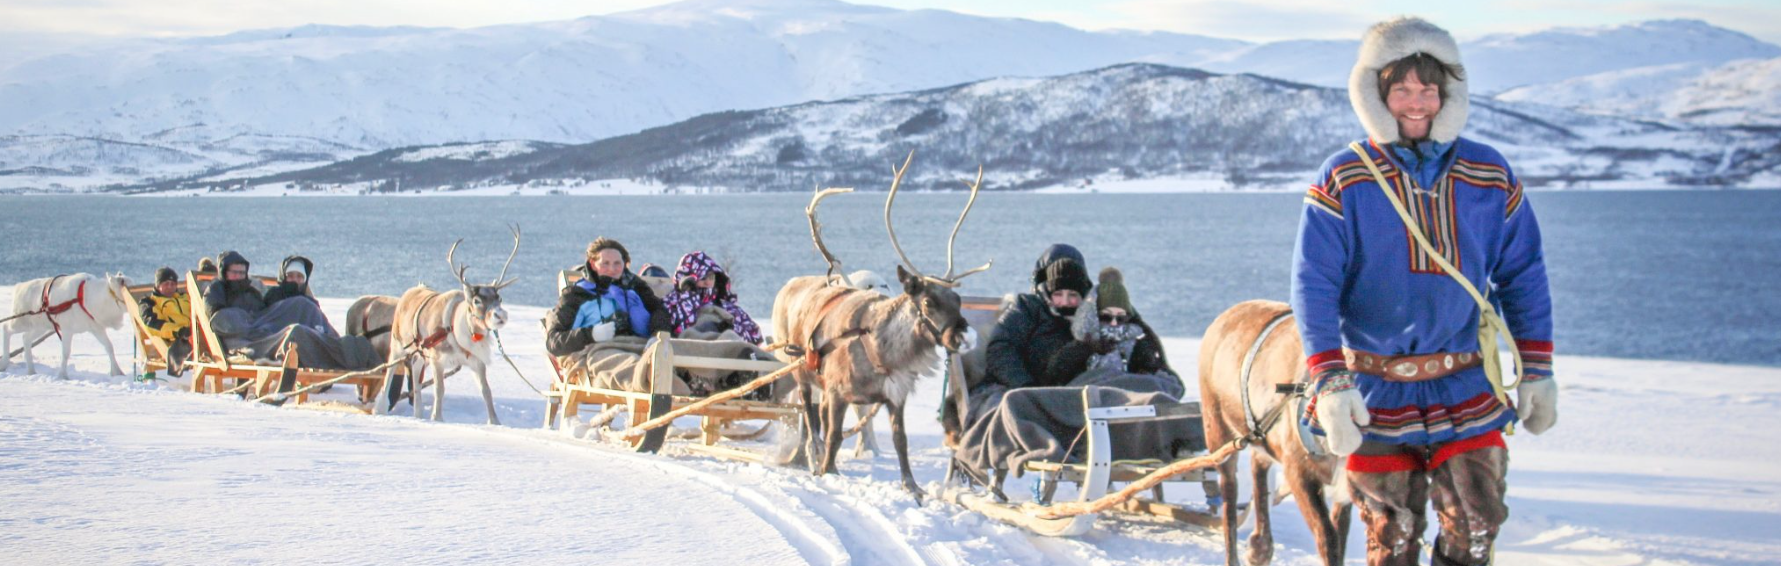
(1662, 274)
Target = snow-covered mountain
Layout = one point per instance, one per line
(361, 89)
(1115, 125)
(1740, 93)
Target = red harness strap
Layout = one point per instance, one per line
(813, 355)
(50, 311)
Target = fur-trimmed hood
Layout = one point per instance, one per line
(1392, 40)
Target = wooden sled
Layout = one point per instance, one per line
(214, 371)
(573, 388)
(1094, 477)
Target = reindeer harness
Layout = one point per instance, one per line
(1295, 392)
(814, 354)
(50, 311)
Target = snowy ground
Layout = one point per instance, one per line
(1652, 463)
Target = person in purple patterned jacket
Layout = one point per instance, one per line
(700, 281)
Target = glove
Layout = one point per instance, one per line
(1539, 404)
(1341, 412)
(603, 331)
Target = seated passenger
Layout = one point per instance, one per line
(247, 324)
(605, 274)
(1029, 405)
(700, 281)
(1112, 342)
(168, 313)
(293, 280)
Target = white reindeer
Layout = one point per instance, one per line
(65, 305)
(452, 330)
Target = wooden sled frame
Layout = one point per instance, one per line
(573, 387)
(152, 352)
(1095, 476)
(210, 364)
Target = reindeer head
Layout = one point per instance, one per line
(484, 301)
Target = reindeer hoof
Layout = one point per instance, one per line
(914, 491)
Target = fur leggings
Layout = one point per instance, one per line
(1392, 486)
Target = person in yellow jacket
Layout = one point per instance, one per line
(168, 313)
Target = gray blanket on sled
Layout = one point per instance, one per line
(622, 364)
(263, 335)
(1012, 427)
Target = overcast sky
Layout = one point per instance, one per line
(1255, 20)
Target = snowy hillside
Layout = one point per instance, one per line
(1739, 93)
(1165, 127)
(366, 89)
(98, 470)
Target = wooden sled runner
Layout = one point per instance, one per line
(213, 369)
(1093, 478)
(573, 388)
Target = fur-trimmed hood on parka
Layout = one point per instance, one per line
(1396, 39)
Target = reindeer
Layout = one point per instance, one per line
(65, 305)
(856, 346)
(1259, 336)
(451, 330)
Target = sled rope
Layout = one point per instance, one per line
(522, 377)
(658, 422)
(1143, 484)
(1490, 326)
(283, 396)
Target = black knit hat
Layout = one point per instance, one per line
(164, 275)
(1067, 274)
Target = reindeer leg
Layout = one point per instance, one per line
(438, 389)
(6, 345)
(1261, 542)
(1341, 516)
(1308, 490)
(1227, 487)
(104, 340)
(812, 428)
(387, 393)
(867, 442)
(900, 441)
(488, 398)
(416, 371)
(67, 346)
(833, 427)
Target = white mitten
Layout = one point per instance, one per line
(604, 331)
(1341, 412)
(1538, 404)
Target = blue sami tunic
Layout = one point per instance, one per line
(1361, 282)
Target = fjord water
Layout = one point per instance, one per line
(1683, 275)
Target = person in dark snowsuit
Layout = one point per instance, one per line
(293, 280)
(247, 324)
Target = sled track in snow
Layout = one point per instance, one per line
(826, 527)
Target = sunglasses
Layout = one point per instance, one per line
(1115, 318)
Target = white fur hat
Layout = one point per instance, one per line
(1396, 39)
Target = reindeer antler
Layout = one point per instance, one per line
(949, 281)
(896, 181)
(816, 227)
(499, 281)
(455, 269)
(955, 232)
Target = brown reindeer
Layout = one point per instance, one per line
(451, 330)
(857, 346)
(1236, 405)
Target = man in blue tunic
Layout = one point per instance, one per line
(1392, 339)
